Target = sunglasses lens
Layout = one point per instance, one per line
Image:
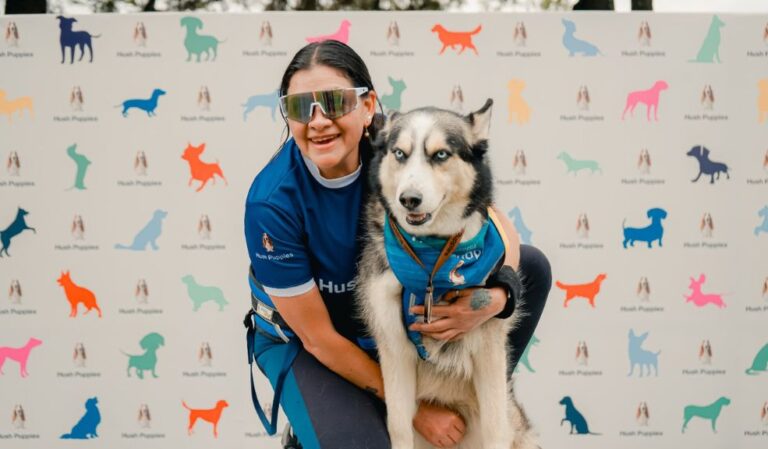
(334, 104)
(298, 107)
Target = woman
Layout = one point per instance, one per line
(301, 226)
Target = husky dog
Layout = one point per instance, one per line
(430, 179)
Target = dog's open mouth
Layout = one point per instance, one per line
(418, 219)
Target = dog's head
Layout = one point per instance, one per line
(569, 26)
(430, 171)
(567, 401)
(65, 23)
(152, 341)
(159, 214)
(193, 152)
(660, 85)
(438, 29)
(656, 214)
(221, 404)
(192, 23)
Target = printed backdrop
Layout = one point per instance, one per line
(631, 148)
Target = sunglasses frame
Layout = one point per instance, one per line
(358, 92)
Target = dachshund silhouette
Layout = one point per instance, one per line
(342, 35)
(576, 165)
(212, 415)
(707, 166)
(147, 361)
(199, 170)
(197, 44)
(588, 291)
(85, 428)
(76, 294)
(649, 97)
(575, 45)
(575, 418)
(265, 100)
(454, 38)
(20, 355)
(147, 105)
(710, 412)
(71, 39)
(17, 226)
(650, 233)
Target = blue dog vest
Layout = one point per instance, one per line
(468, 266)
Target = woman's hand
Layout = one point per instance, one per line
(467, 309)
(440, 426)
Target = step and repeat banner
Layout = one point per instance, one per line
(631, 148)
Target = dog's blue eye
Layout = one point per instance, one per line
(441, 155)
(399, 155)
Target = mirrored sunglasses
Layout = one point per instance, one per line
(333, 103)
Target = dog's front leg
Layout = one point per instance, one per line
(490, 382)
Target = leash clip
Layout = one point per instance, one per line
(428, 304)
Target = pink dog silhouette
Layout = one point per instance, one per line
(648, 97)
(21, 355)
(342, 35)
(702, 299)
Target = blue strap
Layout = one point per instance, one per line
(289, 357)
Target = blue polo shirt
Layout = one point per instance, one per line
(301, 231)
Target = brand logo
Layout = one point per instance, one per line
(644, 34)
(643, 290)
(205, 355)
(18, 417)
(393, 34)
(204, 99)
(642, 416)
(266, 242)
(76, 99)
(13, 164)
(12, 34)
(265, 33)
(140, 164)
(141, 293)
(140, 34)
(145, 417)
(519, 35)
(78, 355)
(334, 287)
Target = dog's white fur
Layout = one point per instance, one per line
(469, 374)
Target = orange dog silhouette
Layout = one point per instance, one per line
(588, 291)
(199, 170)
(8, 107)
(453, 38)
(77, 294)
(212, 415)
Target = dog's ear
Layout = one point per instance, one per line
(480, 121)
(704, 151)
(380, 126)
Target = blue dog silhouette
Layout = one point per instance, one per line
(706, 166)
(763, 227)
(266, 100)
(575, 45)
(145, 104)
(578, 423)
(17, 226)
(148, 235)
(522, 229)
(639, 356)
(86, 427)
(69, 38)
(654, 231)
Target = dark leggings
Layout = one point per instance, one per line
(328, 412)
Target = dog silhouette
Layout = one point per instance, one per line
(197, 44)
(454, 38)
(649, 97)
(8, 107)
(17, 226)
(575, 418)
(710, 48)
(82, 164)
(20, 355)
(702, 299)
(148, 234)
(265, 100)
(575, 45)
(516, 104)
(147, 361)
(72, 39)
(575, 165)
(762, 100)
(341, 35)
(710, 412)
(650, 233)
(517, 219)
(639, 356)
(76, 294)
(760, 363)
(200, 294)
(199, 170)
(212, 415)
(763, 227)
(393, 101)
(524, 356)
(147, 105)
(588, 291)
(707, 166)
(85, 428)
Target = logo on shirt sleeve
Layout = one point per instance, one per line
(266, 242)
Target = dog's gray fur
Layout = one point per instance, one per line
(469, 374)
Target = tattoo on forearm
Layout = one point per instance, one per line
(480, 299)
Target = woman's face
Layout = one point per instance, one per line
(331, 144)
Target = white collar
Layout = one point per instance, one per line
(335, 183)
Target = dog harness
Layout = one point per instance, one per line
(428, 267)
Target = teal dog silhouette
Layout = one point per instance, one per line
(710, 412)
(147, 361)
(710, 48)
(200, 294)
(760, 364)
(197, 44)
(82, 164)
(576, 165)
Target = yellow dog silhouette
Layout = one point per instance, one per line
(762, 100)
(8, 107)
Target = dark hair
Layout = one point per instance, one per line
(341, 57)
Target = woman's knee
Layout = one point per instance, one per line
(536, 269)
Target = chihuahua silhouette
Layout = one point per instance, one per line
(393, 101)
(642, 357)
(199, 170)
(76, 294)
(20, 355)
(147, 105)
(17, 226)
(707, 166)
(72, 39)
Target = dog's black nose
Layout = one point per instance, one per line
(410, 199)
